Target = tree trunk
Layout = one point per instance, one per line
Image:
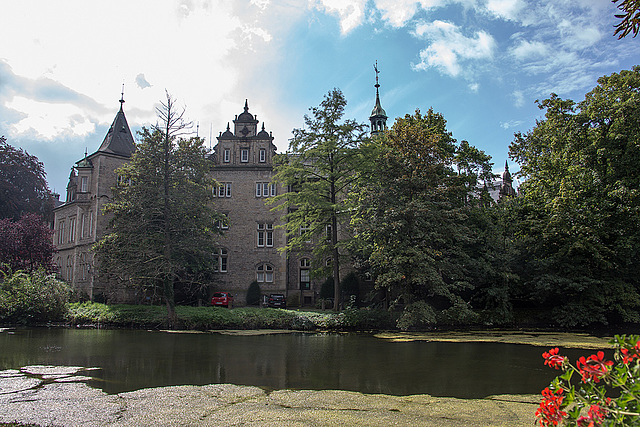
(170, 301)
(335, 254)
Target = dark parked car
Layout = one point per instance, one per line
(277, 301)
(222, 299)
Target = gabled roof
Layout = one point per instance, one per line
(118, 139)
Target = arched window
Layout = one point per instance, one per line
(69, 274)
(264, 273)
(305, 274)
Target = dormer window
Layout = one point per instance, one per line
(227, 155)
(244, 155)
(263, 155)
(84, 184)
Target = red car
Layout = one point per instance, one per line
(222, 299)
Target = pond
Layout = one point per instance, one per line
(131, 360)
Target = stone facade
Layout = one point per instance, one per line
(79, 222)
(249, 247)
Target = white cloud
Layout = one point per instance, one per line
(506, 9)
(449, 47)
(527, 50)
(511, 124)
(350, 12)
(518, 97)
(183, 46)
(474, 87)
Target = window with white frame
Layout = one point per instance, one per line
(263, 155)
(244, 155)
(90, 224)
(223, 223)
(221, 260)
(305, 274)
(265, 189)
(83, 224)
(84, 184)
(72, 229)
(227, 155)
(265, 235)
(264, 273)
(328, 233)
(60, 232)
(304, 228)
(224, 189)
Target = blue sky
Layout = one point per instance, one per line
(481, 63)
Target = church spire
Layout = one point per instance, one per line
(378, 116)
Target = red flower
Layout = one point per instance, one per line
(594, 367)
(594, 417)
(550, 412)
(629, 354)
(553, 359)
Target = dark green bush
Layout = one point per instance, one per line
(30, 298)
(327, 289)
(253, 293)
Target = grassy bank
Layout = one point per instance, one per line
(205, 318)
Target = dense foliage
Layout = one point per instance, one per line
(319, 170)
(23, 185)
(31, 298)
(577, 220)
(415, 207)
(26, 244)
(163, 226)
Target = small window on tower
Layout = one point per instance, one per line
(244, 155)
(263, 155)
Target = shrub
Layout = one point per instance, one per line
(253, 293)
(350, 287)
(327, 289)
(28, 298)
(417, 315)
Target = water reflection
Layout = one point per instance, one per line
(132, 360)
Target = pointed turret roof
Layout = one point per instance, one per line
(119, 140)
(378, 111)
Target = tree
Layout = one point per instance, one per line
(163, 225)
(630, 18)
(26, 244)
(412, 205)
(23, 185)
(319, 170)
(579, 222)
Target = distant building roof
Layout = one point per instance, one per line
(118, 140)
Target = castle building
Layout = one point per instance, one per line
(79, 222)
(249, 247)
(243, 168)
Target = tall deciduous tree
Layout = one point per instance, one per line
(26, 244)
(163, 225)
(23, 185)
(319, 168)
(579, 225)
(412, 206)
